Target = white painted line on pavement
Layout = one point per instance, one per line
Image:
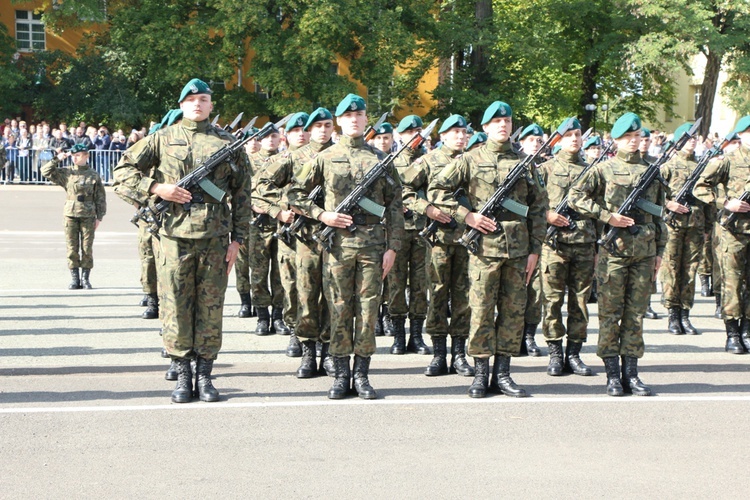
(68, 292)
(380, 402)
(99, 232)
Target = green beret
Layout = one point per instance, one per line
(681, 130)
(154, 128)
(629, 122)
(194, 87)
(297, 120)
(572, 121)
(352, 102)
(496, 109)
(318, 115)
(532, 129)
(174, 115)
(451, 122)
(645, 132)
(469, 129)
(742, 125)
(732, 137)
(253, 130)
(556, 149)
(592, 141)
(78, 148)
(408, 123)
(385, 128)
(476, 139)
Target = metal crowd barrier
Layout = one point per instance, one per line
(24, 166)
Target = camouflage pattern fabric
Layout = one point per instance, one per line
(79, 239)
(148, 263)
(312, 308)
(533, 311)
(242, 266)
(706, 265)
(287, 263)
(264, 267)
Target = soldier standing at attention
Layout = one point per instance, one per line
(358, 260)
(507, 250)
(195, 247)
(592, 148)
(685, 241)
(449, 261)
(643, 148)
(625, 281)
(85, 207)
(569, 266)
(411, 260)
(731, 172)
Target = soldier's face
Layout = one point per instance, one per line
(593, 152)
(321, 131)
(689, 146)
(353, 123)
(455, 138)
(531, 144)
(297, 137)
(197, 107)
(408, 135)
(81, 158)
(645, 144)
(271, 141)
(383, 142)
(571, 141)
(732, 146)
(745, 138)
(252, 146)
(498, 129)
(629, 142)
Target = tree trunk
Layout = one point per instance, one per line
(588, 86)
(483, 14)
(705, 106)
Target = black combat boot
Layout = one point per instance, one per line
(573, 363)
(294, 349)
(340, 386)
(319, 348)
(308, 366)
(478, 388)
(614, 384)
(501, 381)
(164, 353)
(458, 357)
(439, 363)
(389, 329)
(85, 274)
(631, 384)
(745, 334)
(361, 382)
(144, 300)
(326, 361)
(416, 343)
(593, 296)
(528, 345)
(204, 389)
(152, 308)
(246, 306)
(717, 313)
(687, 326)
(171, 374)
(183, 391)
(675, 325)
(279, 326)
(705, 285)
(650, 313)
(379, 323)
(555, 366)
(399, 335)
(734, 344)
(264, 320)
(75, 282)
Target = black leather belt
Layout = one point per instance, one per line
(365, 220)
(81, 197)
(199, 197)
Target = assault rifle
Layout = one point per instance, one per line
(565, 210)
(501, 200)
(429, 232)
(151, 213)
(636, 200)
(357, 196)
(234, 123)
(733, 216)
(685, 195)
(372, 130)
(290, 230)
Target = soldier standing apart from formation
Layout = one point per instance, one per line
(85, 206)
(195, 252)
(643, 148)
(625, 280)
(508, 249)
(358, 260)
(449, 261)
(731, 172)
(685, 241)
(569, 266)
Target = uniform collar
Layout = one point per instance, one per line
(685, 155)
(196, 126)
(267, 153)
(449, 151)
(352, 142)
(629, 157)
(317, 147)
(568, 157)
(498, 147)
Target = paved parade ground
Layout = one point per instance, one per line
(85, 410)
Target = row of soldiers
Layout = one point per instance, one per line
(333, 288)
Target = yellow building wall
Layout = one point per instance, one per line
(67, 41)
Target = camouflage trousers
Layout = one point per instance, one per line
(193, 281)
(262, 256)
(496, 284)
(706, 264)
(680, 263)
(312, 307)
(449, 279)
(148, 263)
(624, 289)
(571, 267)
(735, 257)
(353, 281)
(533, 312)
(242, 268)
(716, 249)
(286, 260)
(79, 237)
(410, 266)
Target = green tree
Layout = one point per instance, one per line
(11, 78)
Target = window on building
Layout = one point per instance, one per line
(29, 31)
(334, 68)
(260, 92)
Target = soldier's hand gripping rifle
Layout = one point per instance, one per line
(429, 232)
(501, 200)
(357, 196)
(727, 223)
(565, 210)
(290, 230)
(636, 201)
(685, 195)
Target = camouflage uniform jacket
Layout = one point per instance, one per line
(601, 191)
(676, 172)
(558, 175)
(732, 172)
(480, 172)
(339, 169)
(402, 163)
(85, 190)
(174, 152)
